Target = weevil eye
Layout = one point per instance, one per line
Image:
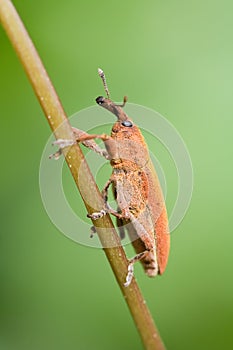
(127, 123)
(100, 100)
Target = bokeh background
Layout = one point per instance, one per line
(175, 57)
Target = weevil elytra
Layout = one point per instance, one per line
(142, 211)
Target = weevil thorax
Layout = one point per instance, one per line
(127, 147)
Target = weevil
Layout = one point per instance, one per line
(141, 206)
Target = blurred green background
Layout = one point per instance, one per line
(175, 57)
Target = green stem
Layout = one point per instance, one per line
(61, 127)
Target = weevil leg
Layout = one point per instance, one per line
(97, 215)
(105, 198)
(56, 155)
(129, 276)
(120, 198)
(107, 208)
(115, 213)
(62, 143)
(84, 138)
(132, 261)
(105, 190)
(93, 231)
(120, 225)
(87, 137)
(119, 222)
(112, 211)
(101, 213)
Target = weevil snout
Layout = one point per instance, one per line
(100, 100)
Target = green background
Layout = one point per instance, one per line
(175, 57)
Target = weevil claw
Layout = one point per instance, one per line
(62, 143)
(130, 275)
(97, 215)
(56, 155)
(93, 231)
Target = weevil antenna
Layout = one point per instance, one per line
(102, 76)
(125, 99)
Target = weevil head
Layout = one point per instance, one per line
(130, 144)
(124, 128)
(113, 107)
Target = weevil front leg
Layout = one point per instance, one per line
(62, 143)
(86, 139)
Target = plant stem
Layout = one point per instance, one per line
(61, 127)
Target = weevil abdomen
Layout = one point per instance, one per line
(141, 201)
